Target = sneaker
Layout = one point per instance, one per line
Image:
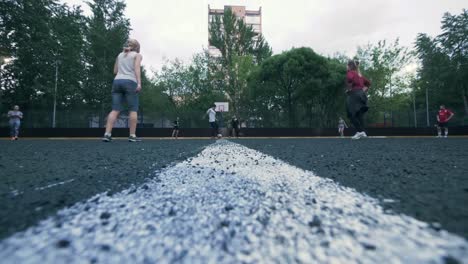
(106, 138)
(363, 134)
(358, 135)
(438, 136)
(133, 139)
(16, 138)
(446, 136)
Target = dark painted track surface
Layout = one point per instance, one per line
(39, 177)
(424, 178)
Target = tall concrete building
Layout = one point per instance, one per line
(250, 17)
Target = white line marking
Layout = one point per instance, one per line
(52, 185)
(232, 204)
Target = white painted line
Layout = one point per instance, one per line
(53, 185)
(232, 204)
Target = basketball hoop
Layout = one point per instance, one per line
(222, 107)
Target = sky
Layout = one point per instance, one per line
(170, 29)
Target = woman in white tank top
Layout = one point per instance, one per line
(126, 88)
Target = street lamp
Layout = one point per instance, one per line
(55, 94)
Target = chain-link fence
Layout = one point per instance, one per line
(83, 118)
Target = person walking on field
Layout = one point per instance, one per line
(175, 131)
(356, 99)
(443, 116)
(15, 117)
(126, 88)
(235, 126)
(212, 120)
(341, 126)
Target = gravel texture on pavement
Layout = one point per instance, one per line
(233, 204)
(39, 177)
(425, 178)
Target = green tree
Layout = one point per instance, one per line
(294, 77)
(108, 29)
(237, 43)
(383, 65)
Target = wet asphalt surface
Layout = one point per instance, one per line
(40, 177)
(424, 178)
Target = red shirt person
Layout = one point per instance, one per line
(356, 81)
(356, 99)
(443, 116)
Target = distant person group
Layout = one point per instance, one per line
(126, 89)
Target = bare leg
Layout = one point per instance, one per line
(133, 117)
(177, 134)
(111, 120)
(438, 131)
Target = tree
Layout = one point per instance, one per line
(108, 29)
(444, 62)
(291, 78)
(383, 65)
(237, 43)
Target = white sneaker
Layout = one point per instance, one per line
(446, 136)
(358, 135)
(363, 134)
(438, 136)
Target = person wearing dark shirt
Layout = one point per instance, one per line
(443, 116)
(356, 100)
(175, 130)
(235, 126)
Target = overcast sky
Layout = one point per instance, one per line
(169, 29)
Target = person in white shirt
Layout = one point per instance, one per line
(126, 87)
(15, 117)
(212, 119)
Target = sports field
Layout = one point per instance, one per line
(392, 200)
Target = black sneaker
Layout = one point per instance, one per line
(106, 138)
(133, 139)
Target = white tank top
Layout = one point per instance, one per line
(126, 66)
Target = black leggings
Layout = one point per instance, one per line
(356, 107)
(357, 120)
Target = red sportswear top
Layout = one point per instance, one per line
(356, 82)
(444, 114)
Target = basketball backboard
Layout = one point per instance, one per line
(222, 106)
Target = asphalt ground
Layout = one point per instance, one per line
(40, 177)
(424, 178)
(229, 190)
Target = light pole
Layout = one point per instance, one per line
(414, 109)
(55, 95)
(427, 107)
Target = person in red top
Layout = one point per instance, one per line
(356, 100)
(443, 117)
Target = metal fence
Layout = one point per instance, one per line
(83, 118)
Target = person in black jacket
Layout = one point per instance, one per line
(235, 126)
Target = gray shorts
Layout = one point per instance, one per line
(124, 91)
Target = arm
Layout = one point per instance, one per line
(451, 115)
(349, 80)
(367, 84)
(116, 66)
(438, 120)
(20, 115)
(138, 60)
